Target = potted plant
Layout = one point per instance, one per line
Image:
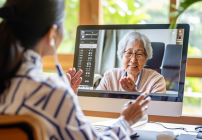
(183, 5)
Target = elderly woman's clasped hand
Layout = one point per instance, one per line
(127, 84)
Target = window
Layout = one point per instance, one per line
(132, 12)
(192, 105)
(71, 23)
(159, 13)
(193, 17)
(122, 12)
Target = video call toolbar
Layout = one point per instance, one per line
(86, 61)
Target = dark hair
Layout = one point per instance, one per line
(24, 23)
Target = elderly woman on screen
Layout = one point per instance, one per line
(134, 50)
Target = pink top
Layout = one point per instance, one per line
(151, 81)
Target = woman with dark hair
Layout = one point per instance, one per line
(30, 30)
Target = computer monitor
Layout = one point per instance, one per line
(96, 52)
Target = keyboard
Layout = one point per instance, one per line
(100, 128)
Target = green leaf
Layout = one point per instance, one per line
(173, 6)
(174, 14)
(182, 7)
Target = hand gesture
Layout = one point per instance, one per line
(128, 84)
(134, 111)
(74, 79)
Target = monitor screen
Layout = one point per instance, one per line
(153, 56)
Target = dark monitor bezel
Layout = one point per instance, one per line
(155, 97)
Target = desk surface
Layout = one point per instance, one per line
(152, 126)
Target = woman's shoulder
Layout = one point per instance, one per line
(54, 82)
(34, 77)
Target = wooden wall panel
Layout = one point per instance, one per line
(90, 12)
(194, 67)
(66, 61)
(172, 9)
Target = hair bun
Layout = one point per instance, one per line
(8, 12)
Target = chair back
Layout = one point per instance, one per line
(158, 53)
(171, 66)
(21, 127)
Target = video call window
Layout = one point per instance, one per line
(106, 56)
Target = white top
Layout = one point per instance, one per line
(54, 102)
(150, 81)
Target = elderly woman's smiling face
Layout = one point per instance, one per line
(134, 63)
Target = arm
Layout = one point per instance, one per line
(63, 118)
(60, 111)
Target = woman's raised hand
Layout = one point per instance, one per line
(74, 79)
(128, 84)
(134, 111)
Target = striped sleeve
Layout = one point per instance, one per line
(78, 127)
(59, 107)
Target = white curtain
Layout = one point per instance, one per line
(109, 58)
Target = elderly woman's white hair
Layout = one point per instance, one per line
(131, 37)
